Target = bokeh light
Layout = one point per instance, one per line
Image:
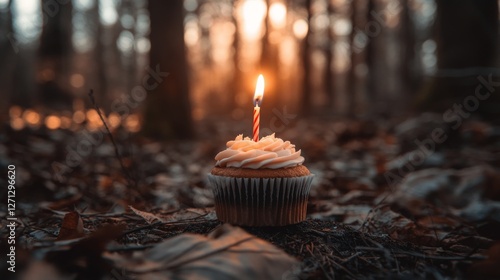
(132, 123)
(79, 117)
(17, 123)
(15, 111)
(77, 80)
(300, 28)
(114, 120)
(31, 117)
(277, 14)
(52, 122)
(253, 13)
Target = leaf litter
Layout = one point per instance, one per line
(441, 220)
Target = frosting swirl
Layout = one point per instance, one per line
(268, 152)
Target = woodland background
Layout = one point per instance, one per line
(393, 103)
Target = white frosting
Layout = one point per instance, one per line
(268, 152)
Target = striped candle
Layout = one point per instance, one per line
(258, 96)
(256, 123)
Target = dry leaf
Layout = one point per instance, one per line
(487, 269)
(386, 221)
(72, 226)
(462, 192)
(150, 218)
(227, 253)
(83, 258)
(202, 214)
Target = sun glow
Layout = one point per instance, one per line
(253, 13)
(277, 14)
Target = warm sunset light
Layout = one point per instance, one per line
(52, 122)
(65, 122)
(79, 117)
(300, 28)
(15, 111)
(132, 123)
(17, 123)
(259, 90)
(77, 80)
(277, 14)
(31, 117)
(114, 120)
(93, 116)
(253, 14)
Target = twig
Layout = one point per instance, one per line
(129, 248)
(317, 232)
(341, 267)
(117, 152)
(173, 223)
(347, 259)
(143, 227)
(423, 256)
(376, 207)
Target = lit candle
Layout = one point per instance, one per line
(257, 100)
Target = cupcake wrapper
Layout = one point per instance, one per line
(261, 201)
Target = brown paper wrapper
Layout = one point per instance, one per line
(261, 201)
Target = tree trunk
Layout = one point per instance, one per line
(351, 79)
(54, 54)
(466, 35)
(269, 68)
(8, 49)
(168, 111)
(237, 83)
(407, 37)
(329, 77)
(376, 59)
(100, 57)
(306, 62)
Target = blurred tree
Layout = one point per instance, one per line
(269, 67)
(407, 37)
(329, 75)
(168, 112)
(237, 82)
(351, 80)
(54, 54)
(306, 64)
(8, 48)
(466, 35)
(100, 58)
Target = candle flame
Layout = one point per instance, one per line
(259, 91)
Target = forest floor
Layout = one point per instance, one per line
(391, 199)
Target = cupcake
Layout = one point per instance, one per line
(260, 183)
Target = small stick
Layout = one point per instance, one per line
(117, 152)
(423, 256)
(129, 248)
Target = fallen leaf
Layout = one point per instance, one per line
(461, 192)
(386, 221)
(72, 227)
(487, 269)
(149, 217)
(83, 258)
(202, 214)
(227, 253)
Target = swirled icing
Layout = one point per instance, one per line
(268, 152)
